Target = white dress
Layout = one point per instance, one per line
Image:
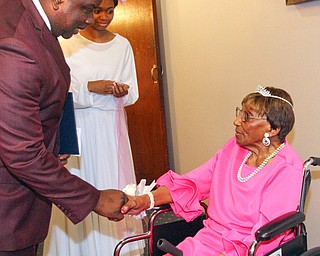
(105, 159)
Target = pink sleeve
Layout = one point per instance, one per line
(184, 193)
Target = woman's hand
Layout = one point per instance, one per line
(120, 90)
(101, 86)
(136, 205)
(108, 87)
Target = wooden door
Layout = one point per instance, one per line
(136, 20)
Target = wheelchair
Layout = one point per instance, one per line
(163, 236)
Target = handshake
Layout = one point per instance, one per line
(134, 200)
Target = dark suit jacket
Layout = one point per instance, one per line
(34, 80)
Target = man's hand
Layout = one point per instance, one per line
(64, 158)
(110, 203)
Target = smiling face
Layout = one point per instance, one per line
(71, 15)
(249, 132)
(103, 15)
(276, 108)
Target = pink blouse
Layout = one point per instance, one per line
(236, 210)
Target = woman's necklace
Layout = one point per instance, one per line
(258, 169)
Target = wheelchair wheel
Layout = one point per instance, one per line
(312, 252)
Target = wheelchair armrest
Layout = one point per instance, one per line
(279, 225)
(167, 247)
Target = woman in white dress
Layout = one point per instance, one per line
(103, 82)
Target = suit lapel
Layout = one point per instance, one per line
(53, 46)
(49, 40)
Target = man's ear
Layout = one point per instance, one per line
(56, 3)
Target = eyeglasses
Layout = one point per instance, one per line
(245, 116)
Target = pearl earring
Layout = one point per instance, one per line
(266, 140)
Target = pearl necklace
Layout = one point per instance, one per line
(258, 169)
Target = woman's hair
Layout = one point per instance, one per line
(115, 2)
(279, 113)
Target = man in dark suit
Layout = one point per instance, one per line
(34, 81)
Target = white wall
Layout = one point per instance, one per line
(217, 51)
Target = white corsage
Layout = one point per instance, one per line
(138, 190)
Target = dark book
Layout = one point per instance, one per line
(68, 130)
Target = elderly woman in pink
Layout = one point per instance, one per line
(253, 179)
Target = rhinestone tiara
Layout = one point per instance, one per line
(266, 93)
